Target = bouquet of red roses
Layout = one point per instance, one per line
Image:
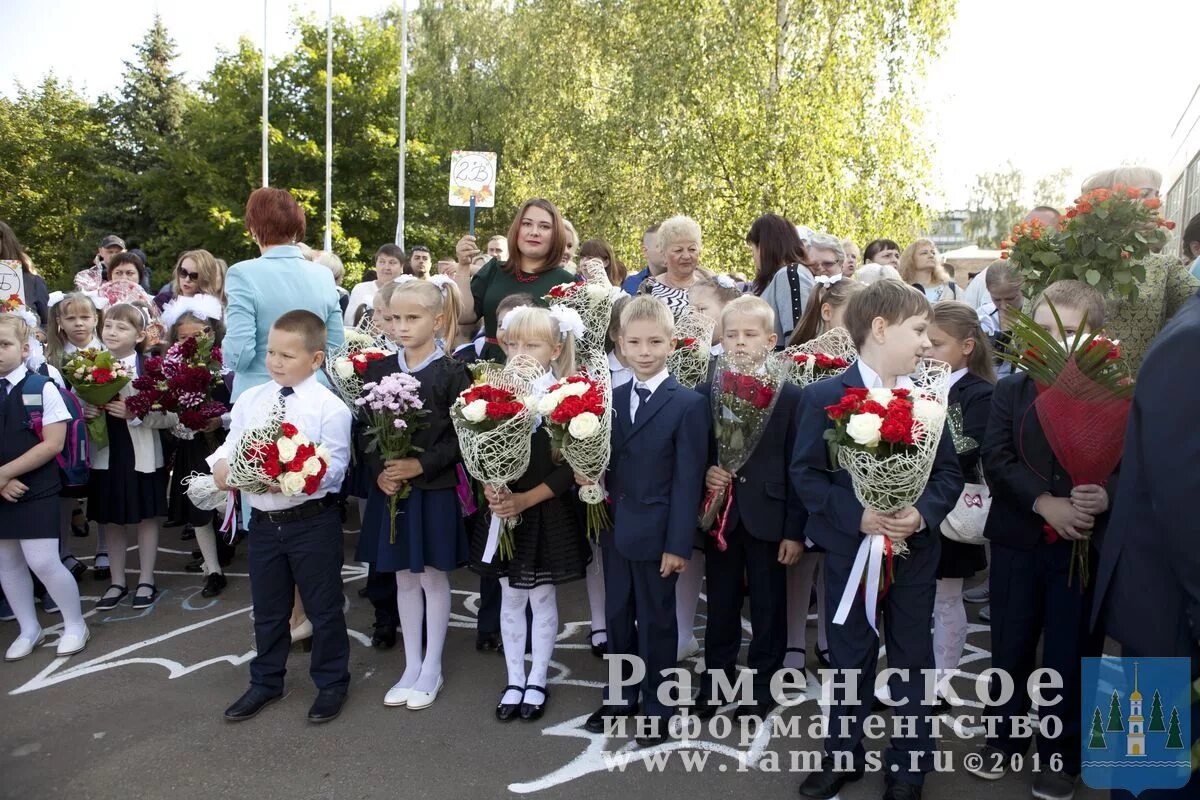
(827, 355)
(494, 424)
(182, 383)
(745, 389)
(578, 416)
(290, 462)
(688, 361)
(97, 378)
(1084, 396)
(349, 363)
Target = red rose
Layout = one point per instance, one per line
(102, 375)
(311, 484)
(272, 469)
(802, 358)
(306, 451)
(288, 430)
(728, 382)
(871, 407)
(296, 464)
(271, 452)
(762, 399)
(893, 431)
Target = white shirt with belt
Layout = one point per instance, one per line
(53, 408)
(315, 411)
(652, 384)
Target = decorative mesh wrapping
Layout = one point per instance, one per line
(245, 467)
(203, 492)
(688, 363)
(346, 380)
(834, 342)
(892, 483)
(593, 300)
(589, 457)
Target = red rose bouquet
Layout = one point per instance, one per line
(1083, 402)
(97, 378)
(349, 363)
(281, 458)
(592, 297)
(744, 391)
(688, 361)
(578, 416)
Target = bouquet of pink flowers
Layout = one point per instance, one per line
(394, 409)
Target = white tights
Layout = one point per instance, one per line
(544, 601)
(17, 558)
(423, 600)
(687, 597)
(206, 540)
(800, 579)
(146, 532)
(949, 625)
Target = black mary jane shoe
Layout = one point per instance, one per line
(76, 567)
(599, 650)
(144, 599)
(250, 704)
(507, 712)
(109, 601)
(384, 637)
(532, 711)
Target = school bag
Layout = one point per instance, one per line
(74, 462)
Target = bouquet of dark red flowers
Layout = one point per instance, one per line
(182, 383)
(578, 415)
(1084, 396)
(745, 389)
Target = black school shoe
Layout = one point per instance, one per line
(384, 637)
(534, 711)
(327, 706)
(595, 723)
(507, 712)
(826, 783)
(214, 584)
(144, 599)
(250, 704)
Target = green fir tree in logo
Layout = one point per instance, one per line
(1174, 737)
(1097, 740)
(1156, 716)
(1114, 715)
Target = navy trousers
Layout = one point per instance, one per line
(305, 555)
(1030, 601)
(907, 629)
(639, 606)
(766, 580)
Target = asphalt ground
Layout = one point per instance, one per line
(138, 714)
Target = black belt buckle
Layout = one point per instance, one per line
(306, 510)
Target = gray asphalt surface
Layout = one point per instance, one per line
(138, 715)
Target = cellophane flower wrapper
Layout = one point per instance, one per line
(96, 378)
(393, 410)
(688, 362)
(830, 354)
(593, 299)
(744, 392)
(245, 462)
(495, 446)
(577, 413)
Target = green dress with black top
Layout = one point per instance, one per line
(492, 284)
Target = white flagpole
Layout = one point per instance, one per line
(265, 94)
(329, 130)
(403, 120)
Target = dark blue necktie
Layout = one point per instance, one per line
(643, 393)
(287, 391)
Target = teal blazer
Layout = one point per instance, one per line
(261, 290)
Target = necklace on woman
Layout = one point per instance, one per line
(526, 277)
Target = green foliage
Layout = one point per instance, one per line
(621, 111)
(996, 204)
(1044, 355)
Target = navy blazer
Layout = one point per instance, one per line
(656, 473)
(1020, 467)
(764, 499)
(1148, 581)
(834, 513)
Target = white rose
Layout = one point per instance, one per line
(291, 483)
(323, 453)
(929, 413)
(864, 429)
(475, 411)
(574, 389)
(881, 396)
(597, 292)
(584, 426)
(343, 368)
(548, 403)
(312, 466)
(287, 448)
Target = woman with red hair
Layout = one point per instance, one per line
(262, 289)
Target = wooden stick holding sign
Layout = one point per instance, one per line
(472, 181)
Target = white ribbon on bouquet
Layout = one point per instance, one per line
(868, 559)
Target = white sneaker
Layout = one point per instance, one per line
(418, 700)
(397, 696)
(22, 647)
(69, 645)
(688, 650)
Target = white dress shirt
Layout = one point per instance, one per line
(956, 376)
(317, 412)
(652, 384)
(363, 294)
(871, 379)
(53, 408)
(70, 349)
(620, 373)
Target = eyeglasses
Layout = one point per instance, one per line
(827, 264)
(191, 276)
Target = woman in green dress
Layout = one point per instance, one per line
(536, 241)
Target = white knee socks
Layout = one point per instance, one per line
(206, 540)
(17, 558)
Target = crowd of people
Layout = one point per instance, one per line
(794, 526)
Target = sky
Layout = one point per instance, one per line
(1045, 84)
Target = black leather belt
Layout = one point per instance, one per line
(306, 510)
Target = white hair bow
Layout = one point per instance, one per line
(568, 320)
(54, 299)
(512, 315)
(442, 282)
(827, 280)
(726, 282)
(200, 306)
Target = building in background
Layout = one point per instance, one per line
(1183, 169)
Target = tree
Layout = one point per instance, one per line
(1174, 736)
(1051, 190)
(1156, 716)
(996, 204)
(1115, 723)
(1097, 735)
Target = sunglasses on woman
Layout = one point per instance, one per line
(191, 276)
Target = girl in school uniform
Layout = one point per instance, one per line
(549, 547)
(128, 486)
(958, 339)
(187, 317)
(74, 325)
(29, 499)
(430, 540)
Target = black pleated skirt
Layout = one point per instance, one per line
(549, 546)
(120, 495)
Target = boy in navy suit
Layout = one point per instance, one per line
(888, 322)
(655, 479)
(764, 534)
(1032, 597)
